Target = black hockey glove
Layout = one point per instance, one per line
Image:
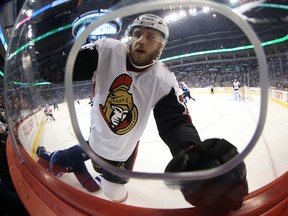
(218, 194)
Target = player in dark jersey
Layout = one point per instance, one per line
(56, 106)
(186, 92)
(66, 161)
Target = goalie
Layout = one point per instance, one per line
(129, 82)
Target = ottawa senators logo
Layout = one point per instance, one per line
(119, 111)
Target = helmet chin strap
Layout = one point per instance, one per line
(141, 67)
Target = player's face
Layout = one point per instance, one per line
(146, 45)
(118, 115)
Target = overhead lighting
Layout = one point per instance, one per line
(175, 16)
(206, 9)
(234, 1)
(193, 11)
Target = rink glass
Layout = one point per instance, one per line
(38, 73)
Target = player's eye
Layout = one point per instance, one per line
(137, 34)
(151, 37)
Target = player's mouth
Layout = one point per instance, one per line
(140, 51)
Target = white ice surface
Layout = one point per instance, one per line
(214, 116)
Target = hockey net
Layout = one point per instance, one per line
(245, 93)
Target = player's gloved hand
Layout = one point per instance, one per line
(218, 194)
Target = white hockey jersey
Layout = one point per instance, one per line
(236, 85)
(123, 100)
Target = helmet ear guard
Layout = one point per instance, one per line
(128, 34)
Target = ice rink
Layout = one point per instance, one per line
(215, 116)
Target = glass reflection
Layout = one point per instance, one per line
(35, 80)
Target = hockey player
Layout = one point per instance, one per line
(236, 89)
(212, 89)
(56, 106)
(49, 113)
(91, 101)
(129, 82)
(186, 92)
(69, 160)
